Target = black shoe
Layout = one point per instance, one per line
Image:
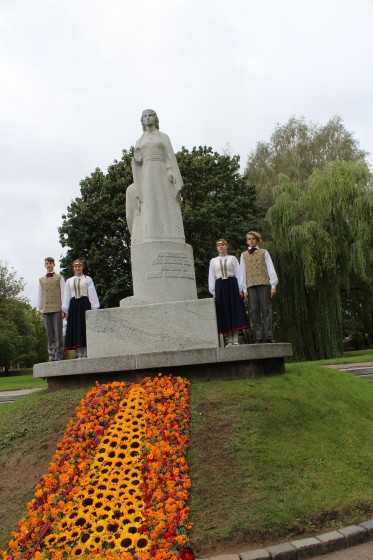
(270, 340)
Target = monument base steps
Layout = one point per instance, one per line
(196, 364)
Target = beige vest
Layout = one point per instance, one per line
(51, 293)
(256, 268)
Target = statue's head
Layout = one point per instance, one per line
(148, 112)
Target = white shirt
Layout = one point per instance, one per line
(78, 286)
(39, 304)
(224, 267)
(273, 279)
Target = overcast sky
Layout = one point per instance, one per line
(75, 76)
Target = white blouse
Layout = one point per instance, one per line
(78, 286)
(224, 267)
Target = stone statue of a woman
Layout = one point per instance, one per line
(153, 200)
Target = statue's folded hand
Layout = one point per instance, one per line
(171, 177)
(138, 155)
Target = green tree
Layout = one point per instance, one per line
(10, 285)
(10, 341)
(216, 203)
(322, 239)
(22, 316)
(357, 313)
(18, 326)
(296, 149)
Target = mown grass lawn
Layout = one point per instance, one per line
(280, 456)
(270, 458)
(23, 381)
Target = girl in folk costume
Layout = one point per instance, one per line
(79, 296)
(225, 285)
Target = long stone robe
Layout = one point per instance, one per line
(153, 202)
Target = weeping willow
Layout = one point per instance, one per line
(322, 237)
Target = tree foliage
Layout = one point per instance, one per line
(216, 203)
(296, 149)
(357, 313)
(322, 244)
(10, 285)
(21, 338)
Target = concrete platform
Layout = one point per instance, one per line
(196, 364)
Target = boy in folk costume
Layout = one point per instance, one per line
(259, 285)
(51, 289)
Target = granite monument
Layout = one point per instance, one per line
(164, 312)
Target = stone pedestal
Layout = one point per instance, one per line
(151, 328)
(164, 313)
(162, 271)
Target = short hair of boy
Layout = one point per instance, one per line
(257, 235)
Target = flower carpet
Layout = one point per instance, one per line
(117, 487)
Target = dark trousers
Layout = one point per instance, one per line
(53, 324)
(259, 297)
